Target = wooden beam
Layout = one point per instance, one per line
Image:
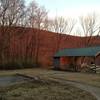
(95, 63)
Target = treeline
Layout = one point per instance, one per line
(14, 13)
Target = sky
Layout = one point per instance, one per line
(69, 8)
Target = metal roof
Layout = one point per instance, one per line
(89, 51)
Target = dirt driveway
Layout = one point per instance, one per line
(88, 82)
(89, 88)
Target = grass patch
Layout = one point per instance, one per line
(48, 90)
(91, 79)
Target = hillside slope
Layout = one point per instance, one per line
(23, 43)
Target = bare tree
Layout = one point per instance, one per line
(46, 24)
(41, 17)
(61, 25)
(90, 27)
(31, 14)
(11, 14)
(37, 16)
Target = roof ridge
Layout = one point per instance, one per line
(82, 47)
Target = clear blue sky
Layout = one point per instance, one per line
(69, 7)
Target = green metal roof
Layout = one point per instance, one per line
(89, 51)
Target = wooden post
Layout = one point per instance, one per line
(75, 65)
(95, 64)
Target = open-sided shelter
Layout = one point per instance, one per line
(76, 57)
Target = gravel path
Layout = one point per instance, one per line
(92, 89)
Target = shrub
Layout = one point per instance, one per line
(18, 64)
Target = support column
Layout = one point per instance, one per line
(95, 64)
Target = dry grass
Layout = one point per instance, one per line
(92, 79)
(43, 91)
